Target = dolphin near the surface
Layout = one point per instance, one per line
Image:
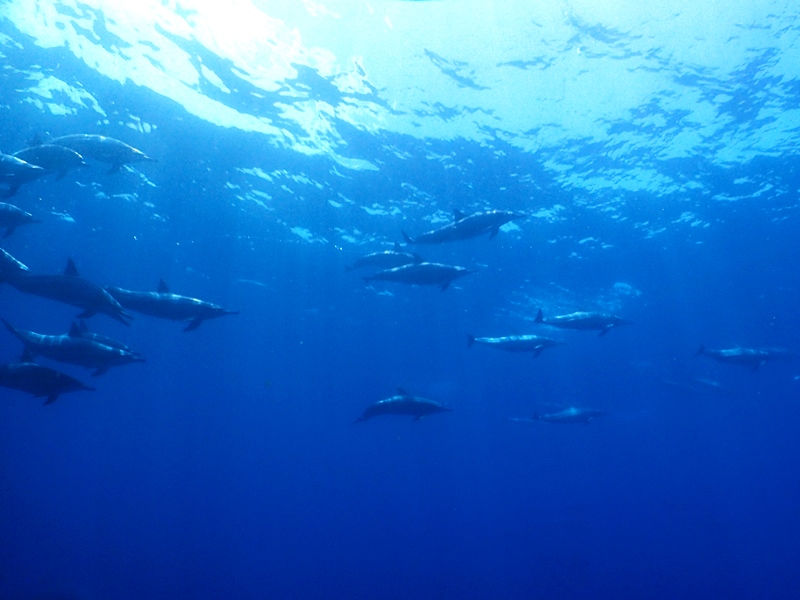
(424, 273)
(74, 349)
(747, 357)
(466, 226)
(52, 158)
(568, 415)
(68, 287)
(166, 305)
(15, 172)
(516, 343)
(102, 148)
(12, 217)
(584, 321)
(27, 376)
(387, 259)
(403, 404)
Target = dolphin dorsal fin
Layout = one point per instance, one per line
(458, 215)
(402, 392)
(71, 269)
(27, 356)
(163, 288)
(75, 330)
(397, 247)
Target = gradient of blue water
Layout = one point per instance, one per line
(226, 466)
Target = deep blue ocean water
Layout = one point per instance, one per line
(654, 150)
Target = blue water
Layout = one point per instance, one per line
(654, 151)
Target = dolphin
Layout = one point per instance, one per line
(388, 259)
(748, 357)
(584, 321)
(424, 273)
(12, 217)
(104, 149)
(516, 343)
(27, 376)
(403, 404)
(68, 288)
(568, 415)
(15, 172)
(165, 305)
(466, 226)
(74, 349)
(80, 329)
(52, 158)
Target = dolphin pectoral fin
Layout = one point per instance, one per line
(757, 365)
(11, 191)
(470, 340)
(537, 351)
(100, 371)
(9, 231)
(50, 399)
(87, 313)
(445, 285)
(61, 174)
(604, 331)
(114, 169)
(495, 231)
(194, 324)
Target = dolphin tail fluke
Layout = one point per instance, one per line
(604, 331)
(470, 340)
(406, 237)
(700, 350)
(539, 317)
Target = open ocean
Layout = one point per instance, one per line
(654, 152)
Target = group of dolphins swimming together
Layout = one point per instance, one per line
(79, 346)
(91, 350)
(410, 268)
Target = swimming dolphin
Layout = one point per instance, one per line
(516, 343)
(12, 217)
(403, 404)
(68, 288)
(52, 158)
(388, 259)
(27, 376)
(424, 273)
(568, 415)
(584, 321)
(15, 172)
(74, 349)
(165, 305)
(104, 149)
(748, 357)
(80, 329)
(466, 226)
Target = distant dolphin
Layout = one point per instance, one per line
(569, 415)
(748, 357)
(516, 343)
(15, 172)
(68, 288)
(165, 305)
(466, 226)
(27, 376)
(104, 149)
(388, 259)
(74, 349)
(584, 321)
(423, 273)
(12, 217)
(403, 404)
(52, 158)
